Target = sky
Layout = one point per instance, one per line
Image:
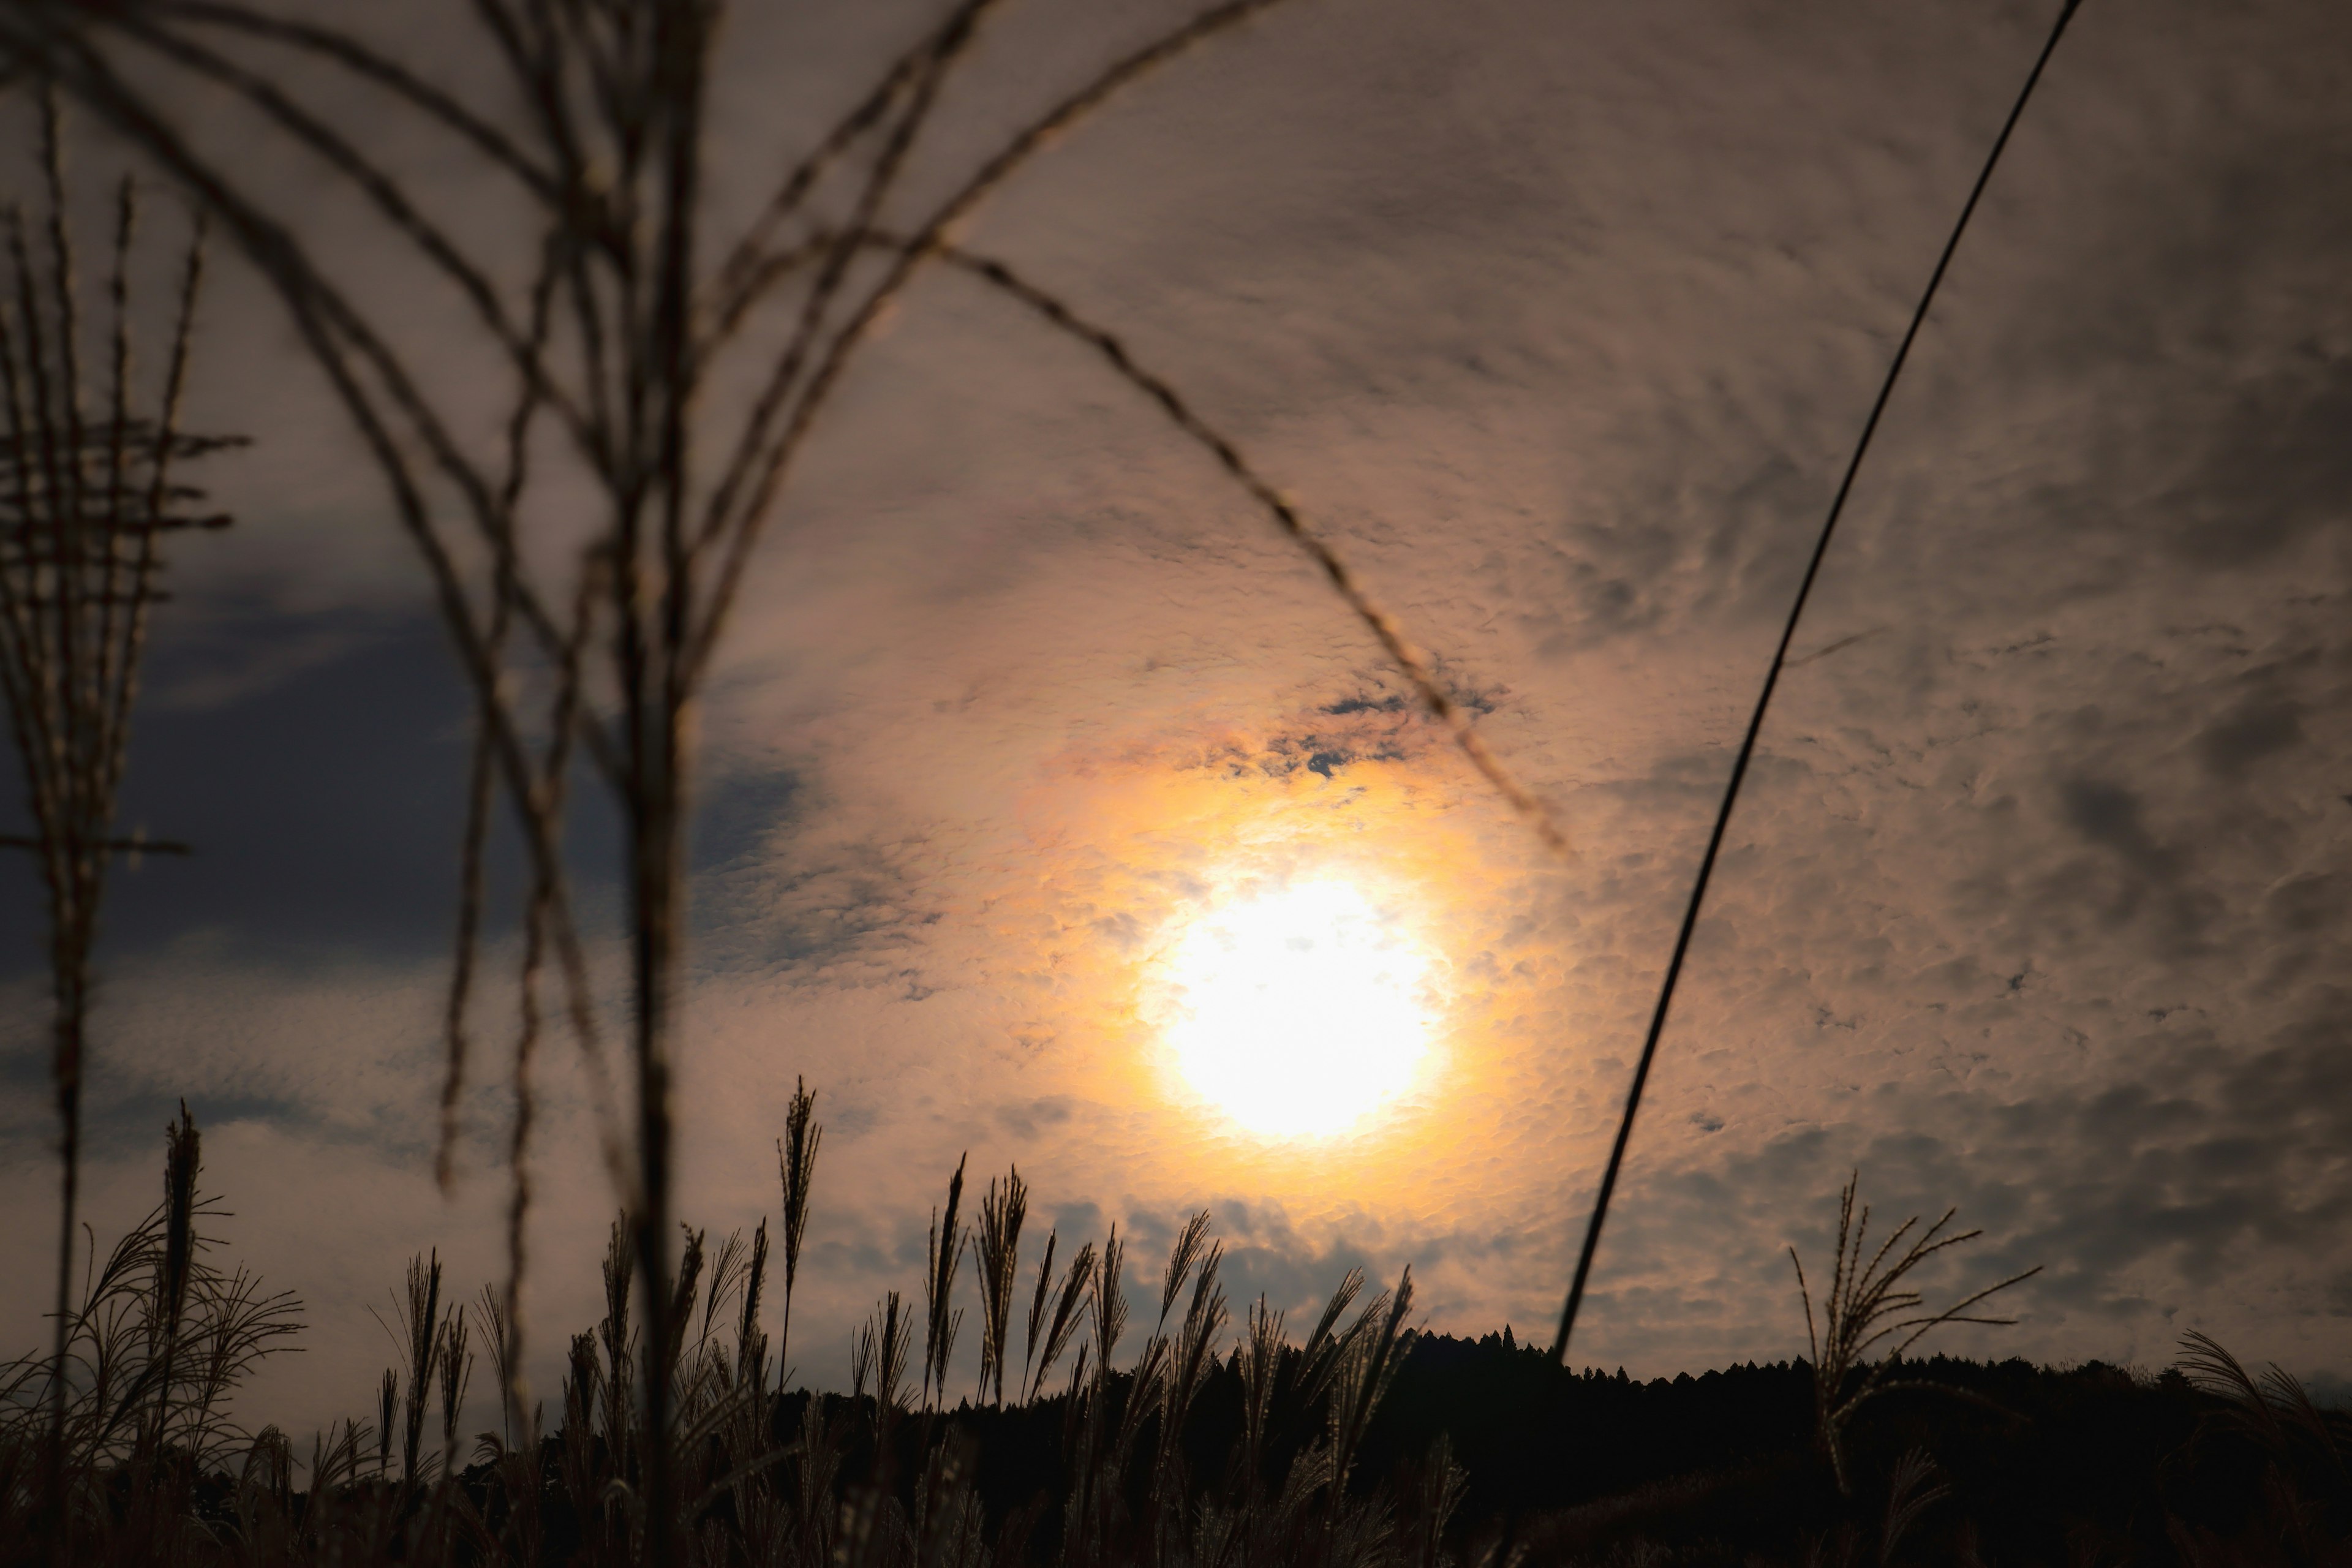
(1560, 323)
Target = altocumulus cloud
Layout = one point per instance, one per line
(1561, 326)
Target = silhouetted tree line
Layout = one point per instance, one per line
(2022, 1464)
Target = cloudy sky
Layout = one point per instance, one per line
(1560, 322)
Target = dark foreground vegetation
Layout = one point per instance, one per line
(1355, 1440)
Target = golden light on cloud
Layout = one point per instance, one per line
(1295, 1012)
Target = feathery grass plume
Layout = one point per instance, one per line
(387, 1404)
(817, 1471)
(2309, 1450)
(1374, 1347)
(1182, 1255)
(727, 1268)
(1436, 1497)
(456, 1371)
(514, 1450)
(182, 1161)
(751, 1341)
(1191, 1360)
(511, 1525)
(940, 1319)
(1094, 1485)
(1260, 1358)
(1109, 1304)
(1077, 1401)
(337, 1458)
(1069, 1310)
(619, 1343)
(1113, 1424)
(796, 1169)
(948, 1521)
(583, 1375)
(263, 1500)
(1869, 1302)
(1319, 1357)
(418, 1311)
(156, 1345)
(1037, 1308)
(492, 1307)
(582, 1399)
(1910, 1492)
(1147, 1395)
(2209, 1366)
(679, 1318)
(878, 1357)
(998, 1255)
(1284, 1532)
(235, 1325)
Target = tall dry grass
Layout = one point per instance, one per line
(1119, 1464)
(161, 1474)
(1870, 1302)
(613, 322)
(90, 487)
(109, 1443)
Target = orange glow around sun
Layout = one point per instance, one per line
(1246, 978)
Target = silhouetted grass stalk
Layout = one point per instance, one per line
(155, 1345)
(1869, 1302)
(1747, 752)
(996, 1254)
(84, 497)
(796, 1169)
(850, 1482)
(941, 1317)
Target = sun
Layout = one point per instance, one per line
(1298, 1013)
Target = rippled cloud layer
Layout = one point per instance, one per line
(1559, 328)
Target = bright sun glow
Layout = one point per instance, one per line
(1298, 1013)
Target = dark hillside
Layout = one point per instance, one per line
(2029, 1464)
(2042, 1464)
